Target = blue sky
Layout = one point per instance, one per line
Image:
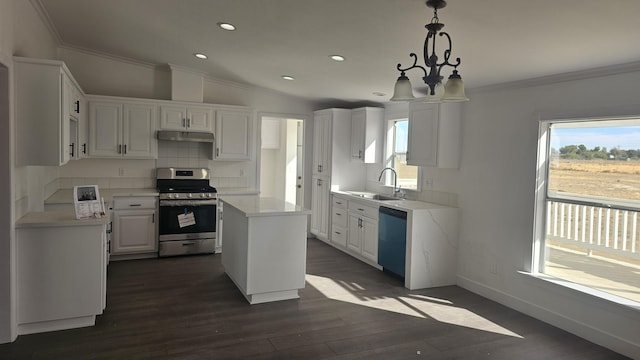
(626, 138)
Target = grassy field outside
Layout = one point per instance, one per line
(606, 178)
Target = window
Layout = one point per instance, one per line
(397, 139)
(589, 204)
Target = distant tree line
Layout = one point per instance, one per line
(580, 152)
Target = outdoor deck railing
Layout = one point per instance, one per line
(592, 228)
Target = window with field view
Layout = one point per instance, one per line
(592, 204)
(397, 159)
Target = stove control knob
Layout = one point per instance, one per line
(208, 195)
(203, 195)
(189, 195)
(170, 196)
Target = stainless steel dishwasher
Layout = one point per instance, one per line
(392, 240)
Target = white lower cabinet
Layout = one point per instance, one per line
(61, 276)
(320, 194)
(363, 232)
(354, 228)
(339, 221)
(134, 225)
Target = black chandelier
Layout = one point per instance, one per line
(453, 90)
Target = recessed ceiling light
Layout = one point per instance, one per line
(337, 57)
(288, 77)
(200, 56)
(226, 26)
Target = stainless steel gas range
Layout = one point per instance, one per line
(187, 211)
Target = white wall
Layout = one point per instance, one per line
(497, 183)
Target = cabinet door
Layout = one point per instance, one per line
(233, 134)
(320, 207)
(354, 241)
(83, 129)
(358, 118)
(138, 130)
(105, 121)
(370, 239)
(322, 144)
(423, 135)
(173, 117)
(135, 231)
(199, 118)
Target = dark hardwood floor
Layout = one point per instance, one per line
(187, 308)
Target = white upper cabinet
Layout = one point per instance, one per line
(122, 129)
(366, 134)
(234, 134)
(47, 128)
(186, 117)
(434, 134)
(322, 143)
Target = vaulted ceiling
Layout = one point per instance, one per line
(498, 40)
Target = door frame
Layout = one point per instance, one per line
(7, 200)
(306, 198)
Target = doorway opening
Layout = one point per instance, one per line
(282, 158)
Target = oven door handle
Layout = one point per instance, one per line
(188, 202)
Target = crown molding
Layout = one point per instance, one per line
(112, 57)
(46, 19)
(563, 77)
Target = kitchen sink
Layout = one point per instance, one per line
(372, 196)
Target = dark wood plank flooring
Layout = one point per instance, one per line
(187, 308)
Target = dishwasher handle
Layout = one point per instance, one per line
(393, 212)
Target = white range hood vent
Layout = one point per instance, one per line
(186, 84)
(185, 136)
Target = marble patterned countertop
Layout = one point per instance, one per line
(264, 206)
(400, 204)
(57, 218)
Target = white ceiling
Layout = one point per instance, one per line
(498, 40)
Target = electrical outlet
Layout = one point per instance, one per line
(493, 268)
(428, 183)
(121, 172)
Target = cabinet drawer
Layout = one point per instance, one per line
(339, 202)
(144, 202)
(339, 236)
(364, 210)
(339, 217)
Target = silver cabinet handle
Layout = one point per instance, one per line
(135, 204)
(119, 149)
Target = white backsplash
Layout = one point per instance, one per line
(197, 154)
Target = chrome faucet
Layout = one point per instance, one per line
(396, 190)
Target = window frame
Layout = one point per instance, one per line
(543, 196)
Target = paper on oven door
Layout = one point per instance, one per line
(186, 219)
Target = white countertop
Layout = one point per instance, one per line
(58, 218)
(400, 204)
(264, 206)
(65, 196)
(236, 191)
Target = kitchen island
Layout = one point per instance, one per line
(265, 247)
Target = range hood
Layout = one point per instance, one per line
(185, 136)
